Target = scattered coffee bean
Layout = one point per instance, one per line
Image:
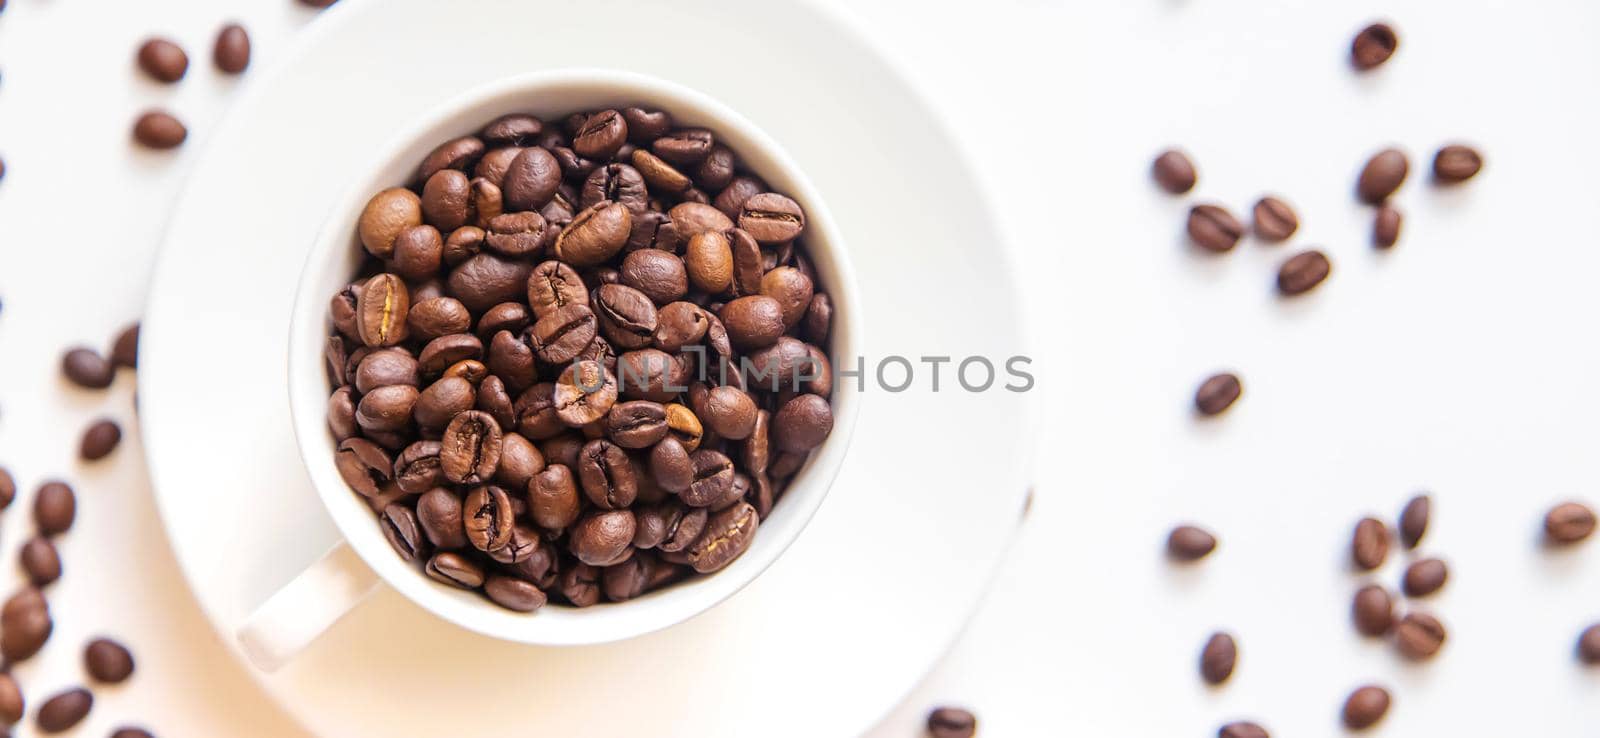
(1369, 545)
(1218, 657)
(1275, 220)
(1303, 272)
(1456, 163)
(1365, 707)
(1569, 523)
(107, 661)
(1373, 46)
(25, 625)
(41, 562)
(1414, 520)
(65, 710)
(125, 350)
(1174, 172)
(1217, 393)
(1214, 228)
(1424, 577)
(1242, 729)
(12, 706)
(1373, 610)
(1190, 543)
(54, 507)
(319, 3)
(1419, 636)
(1382, 175)
(99, 440)
(163, 60)
(158, 129)
(1589, 645)
(952, 722)
(1386, 227)
(232, 50)
(87, 368)
(131, 732)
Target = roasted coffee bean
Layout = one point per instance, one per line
(516, 234)
(495, 399)
(507, 316)
(523, 543)
(334, 358)
(670, 462)
(12, 705)
(535, 410)
(446, 351)
(584, 393)
(713, 475)
(618, 183)
(1569, 523)
(554, 285)
(1365, 707)
(458, 153)
(387, 409)
(455, 570)
(560, 335)
(1174, 172)
(1218, 658)
(654, 230)
(717, 169)
(125, 349)
(753, 322)
(780, 365)
(163, 60)
(130, 732)
(384, 368)
(684, 146)
(99, 440)
(1414, 520)
(488, 203)
(440, 513)
(512, 358)
(1589, 645)
(802, 424)
(607, 475)
(600, 135)
(1419, 636)
(107, 661)
(1373, 46)
(818, 320)
(513, 594)
(463, 243)
(1386, 227)
(1373, 610)
(489, 517)
(41, 561)
(1242, 729)
(1424, 577)
(64, 710)
(952, 722)
(1217, 393)
(1369, 545)
(595, 234)
(436, 317)
(680, 324)
(515, 129)
(1303, 272)
(8, 488)
(1213, 228)
(1383, 174)
(87, 368)
(628, 579)
(732, 198)
(651, 374)
(645, 126)
(749, 263)
(683, 526)
(54, 508)
(342, 414)
(580, 585)
(447, 200)
(756, 451)
(692, 218)
(731, 413)
(1190, 543)
(381, 311)
(1456, 163)
(519, 461)
(627, 316)
(417, 468)
(728, 534)
(232, 49)
(387, 214)
(25, 625)
(772, 218)
(158, 129)
(401, 529)
(1275, 219)
(657, 274)
(658, 173)
(553, 498)
(486, 280)
(636, 424)
(792, 289)
(574, 168)
(603, 538)
(470, 448)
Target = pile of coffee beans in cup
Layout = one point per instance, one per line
(583, 359)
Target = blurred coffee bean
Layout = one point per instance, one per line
(1303, 272)
(1242, 729)
(1174, 172)
(1382, 175)
(65, 710)
(1217, 393)
(8, 488)
(1373, 610)
(1373, 46)
(125, 349)
(1275, 220)
(1419, 636)
(1589, 645)
(1456, 163)
(25, 625)
(99, 440)
(1365, 707)
(1218, 657)
(87, 368)
(163, 60)
(40, 561)
(1386, 227)
(232, 50)
(951, 722)
(1414, 520)
(1569, 523)
(1213, 228)
(1424, 577)
(158, 129)
(1369, 545)
(54, 507)
(107, 661)
(1190, 543)
(12, 706)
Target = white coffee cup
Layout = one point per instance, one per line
(312, 602)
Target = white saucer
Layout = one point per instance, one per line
(853, 615)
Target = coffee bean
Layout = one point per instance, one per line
(580, 585)
(1217, 393)
(163, 60)
(618, 183)
(515, 129)
(1369, 545)
(319, 3)
(1174, 172)
(1373, 46)
(1589, 645)
(684, 146)
(1190, 543)
(657, 274)
(584, 393)
(87, 368)
(25, 625)
(99, 440)
(753, 322)
(603, 538)
(1569, 523)
(1414, 520)
(440, 513)
(554, 285)
(1424, 577)
(131, 732)
(595, 235)
(1419, 636)
(607, 475)
(1365, 707)
(469, 451)
(455, 570)
(717, 169)
(384, 368)
(1242, 730)
(458, 153)
(628, 579)
(486, 280)
(731, 413)
(1373, 610)
(772, 218)
(41, 562)
(64, 710)
(54, 507)
(342, 414)
(559, 336)
(600, 135)
(1386, 227)
(12, 706)
(1218, 657)
(381, 311)
(1214, 228)
(793, 290)
(728, 534)
(1383, 174)
(512, 358)
(516, 234)
(952, 722)
(636, 424)
(8, 488)
(519, 461)
(802, 424)
(553, 498)
(513, 594)
(125, 349)
(1456, 163)
(232, 50)
(404, 533)
(627, 316)
(158, 129)
(709, 262)
(1303, 272)
(386, 409)
(107, 661)
(732, 197)
(690, 219)
(1275, 220)
(489, 518)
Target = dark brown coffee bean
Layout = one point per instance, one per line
(1386, 227)
(1365, 707)
(469, 451)
(603, 538)
(651, 374)
(64, 710)
(125, 349)
(130, 732)
(1217, 393)
(1373, 46)
(25, 625)
(446, 351)
(1275, 220)
(489, 518)
(560, 335)
(645, 126)
(580, 585)
(1242, 729)
(802, 424)
(1424, 577)
(713, 475)
(753, 322)
(519, 461)
(530, 180)
(1213, 228)
(618, 183)
(732, 198)
(1190, 543)
(381, 311)
(515, 129)
(756, 452)
(54, 508)
(690, 219)
(584, 393)
(1569, 523)
(728, 535)
(731, 413)
(679, 324)
(404, 534)
(1218, 658)
(600, 135)
(1383, 174)
(486, 280)
(516, 234)
(1418, 636)
(232, 50)
(417, 468)
(99, 440)
(387, 409)
(107, 661)
(553, 498)
(158, 129)
(363, 465)
(595, 235)
(1456, 163)
(684, 146)
(1589, 645)
(458, 153)
(1303, 272)
(439, 316)
(12, 706)
(717, 169)
(554, 285)
(670, 462)
(536, 413)
(1373, 610)
(386, 367)
(85, 367)
(627, 316)
(1414, 520)
(951, 722)
(8, 488)
(749, 263)
(440, 513)
(657, 274)
(163, 60)
(1369, 545)
(513, 594)
(607, 475)
(628, 579)
(462, 244)
(40, 561)
(636, 424)
(772, 218)
(447, 201)
(455, 570)
(1174, 172)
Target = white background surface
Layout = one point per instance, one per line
(1459, 363)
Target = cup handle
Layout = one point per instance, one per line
(306, 607)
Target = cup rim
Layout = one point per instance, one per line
(309, 326)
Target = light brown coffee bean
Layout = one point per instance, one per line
(387, 214)
(1365, 707)
(158, 129)
(1419, 636)
(1373, 610)
(1569, 523)
(1369, 544)
(1190, 543)
(1217, 393)
(1424, 577)
(1382, 175)
(1275, 220)
(1303, 272)
(1414, 520)
(1213, 228)
(1218, 658)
